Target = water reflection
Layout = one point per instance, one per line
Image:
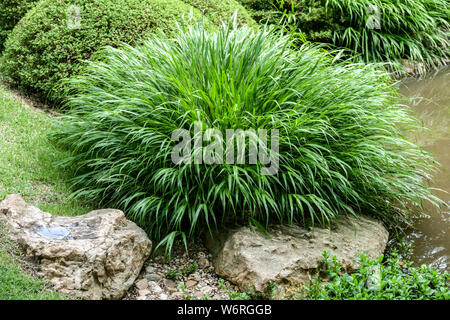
(432, 105)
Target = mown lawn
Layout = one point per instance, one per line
(27, 159)
(16, 282)
(26, 168)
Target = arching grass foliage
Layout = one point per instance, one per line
(372, 30)
(341, 144)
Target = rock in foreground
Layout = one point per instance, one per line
(292, 255)
(95, 256)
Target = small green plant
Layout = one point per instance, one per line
(376, 279)
(183, 289)
(174, 274)
(235, 295)
(190, 269)
(232, 294)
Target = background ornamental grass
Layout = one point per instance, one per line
(415, 30)
(341, 126)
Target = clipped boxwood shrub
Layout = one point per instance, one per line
(11, 11)
(221, 10)
(340, 127)
(52, 40)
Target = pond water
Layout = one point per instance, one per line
(431, 236)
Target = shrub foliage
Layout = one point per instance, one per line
(341, 148)
(221, 10)
(11, 11)
(46, 46)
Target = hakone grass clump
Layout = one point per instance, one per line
(373, 31)
(56, 37)
(11, 11)
(341, 130)
(385, 278)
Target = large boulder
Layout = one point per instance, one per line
(95, 256)
(288, 257)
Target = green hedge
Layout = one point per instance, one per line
(221, 10)
(11, 11)
(42, 49)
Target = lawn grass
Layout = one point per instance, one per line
(17, 283)
(26, 159)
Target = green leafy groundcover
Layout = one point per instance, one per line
(341, 125)
(415, 30)
(54, 39)
(393, 279)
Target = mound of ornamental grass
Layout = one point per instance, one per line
(341, 146)
(55, 38)
(11, 11)
(374, 31)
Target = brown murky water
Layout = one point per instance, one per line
(432, 235)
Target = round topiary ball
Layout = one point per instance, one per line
(221, 10)
(54, 38)
(11, 11)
